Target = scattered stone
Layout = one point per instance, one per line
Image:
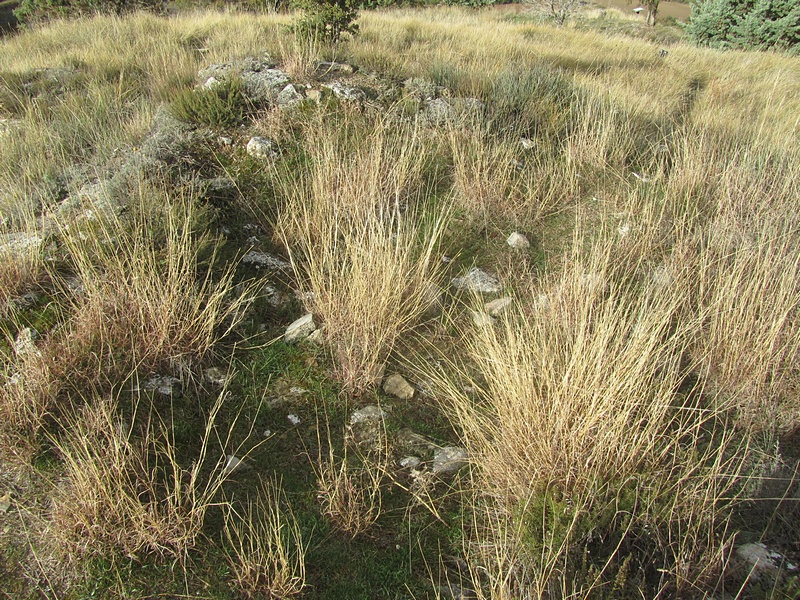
(624, 229)
(761, 559)
(293, 419)
(367, 413)
(527, 143)
(481, 319)
(395, 385)
(262, 83)
(289, 96)
(497, 307)
(267, 433)
(25, 342)
(259, 147)
(314, 95)
(264, 260)
(300, 329)
(165, 385)
(5, 502)
(215, 376)
(345, 92)
(518, 241)
(334, 68)
(231, 463)
(449, 460)
(477, 280)
(438, 111)
(410, 462)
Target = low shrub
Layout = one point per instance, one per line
(223, 104)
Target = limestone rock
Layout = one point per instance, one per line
(215, 376)
(367, 413)
(259, 147)
(477, 280)
(410, 462)
(289, 96)
(395, 385)
(346, 92)
(518, 241)
(262, 83)
(761, 559)
(24, 343)
(449, 460)
(264, 260)
(497, 307)
(300, 329)
(165, 385)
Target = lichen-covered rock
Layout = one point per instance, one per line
(263, 148)
(347, 92)
(264, 260)
(477, 280)
(449, 460)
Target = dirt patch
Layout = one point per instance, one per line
(676, 10)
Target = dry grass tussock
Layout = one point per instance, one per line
(267, 551)
(145, 296)
(360, 243)
(584, 439)
(125, 489)
(350, 490)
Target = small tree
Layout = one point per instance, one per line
(558, 10)
(327, 20)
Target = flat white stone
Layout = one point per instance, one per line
(300, 329)
(518, 241)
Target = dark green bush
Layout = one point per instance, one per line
(221, 105)
(40, 10)
(327, 20)
(746, 24)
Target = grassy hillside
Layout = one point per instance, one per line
(614, 414)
